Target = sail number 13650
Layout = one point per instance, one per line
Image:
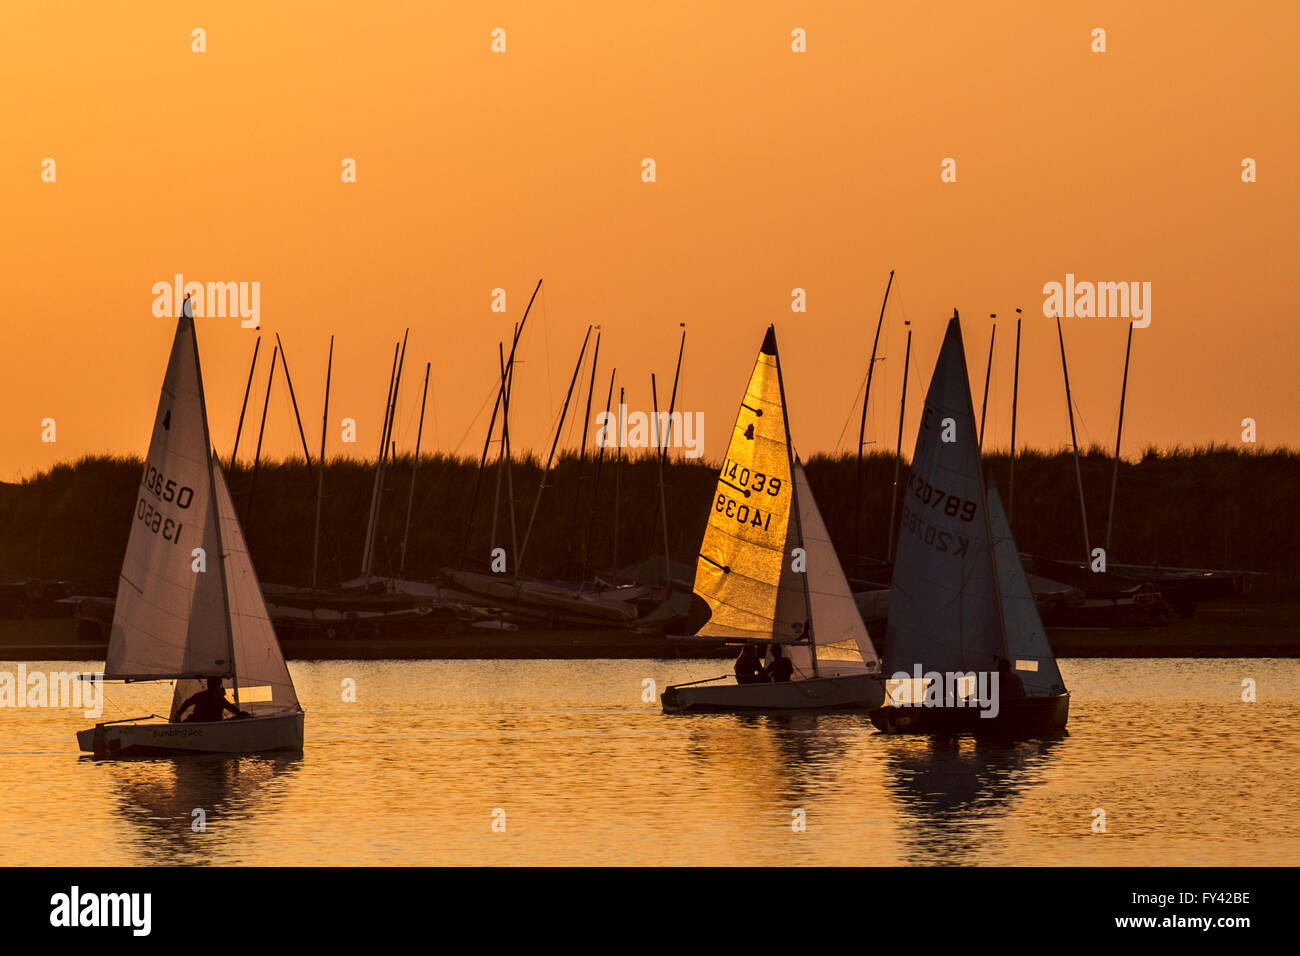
(166, 489)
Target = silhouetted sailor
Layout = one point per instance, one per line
(749, 669)
(780, 669)
(209, 705)
(1010, 686)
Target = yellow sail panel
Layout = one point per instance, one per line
(743, 572)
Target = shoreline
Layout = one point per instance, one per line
(1222, 629)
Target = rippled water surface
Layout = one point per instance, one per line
(587, 772)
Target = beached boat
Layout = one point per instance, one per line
(768, 575)
(965, 648)
(189, 608)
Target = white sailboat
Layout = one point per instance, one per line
(189, 608)
(961, 607)
(767, 573)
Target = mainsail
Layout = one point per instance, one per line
(169, 620)
(838, 631)
(1030, 653)
(744, 571)
(944, 613)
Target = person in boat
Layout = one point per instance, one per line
(209, 705)
(1010, 686)
(780, 669)
(749, 669)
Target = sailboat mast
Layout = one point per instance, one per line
(988, 537)
(216, 514)
(509, 457)
(383, 448)
(618, 464)
(559, 430)
(239, 429)
(586, 420)
(663, 509)
(898, 448)
(672, 401)
(257, 455)
(388, 447)
(794, 502)
(1015, 399)
(862, 426)
(294, 400)
(1078, 470)
(410, 500)
(487, 443)
(595, 493)
(1119, 432)
(988, 373)
(320, 481)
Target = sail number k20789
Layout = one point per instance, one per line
(953, 506)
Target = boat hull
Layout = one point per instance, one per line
(1027, 717)
(845, 692)
(249, 735)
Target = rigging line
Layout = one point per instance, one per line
(546, 341)
(1082, 425)
(853, 408)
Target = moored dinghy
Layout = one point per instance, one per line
(962, 618)
(745, 579)
(191, 622)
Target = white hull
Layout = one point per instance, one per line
(235, 736)
(844, 692)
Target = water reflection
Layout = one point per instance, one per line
(951, 791)
(795, 756)
(158, 797)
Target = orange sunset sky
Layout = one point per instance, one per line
(775, 170)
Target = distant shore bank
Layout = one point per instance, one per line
(1229, 628)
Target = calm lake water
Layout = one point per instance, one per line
(588, 773)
